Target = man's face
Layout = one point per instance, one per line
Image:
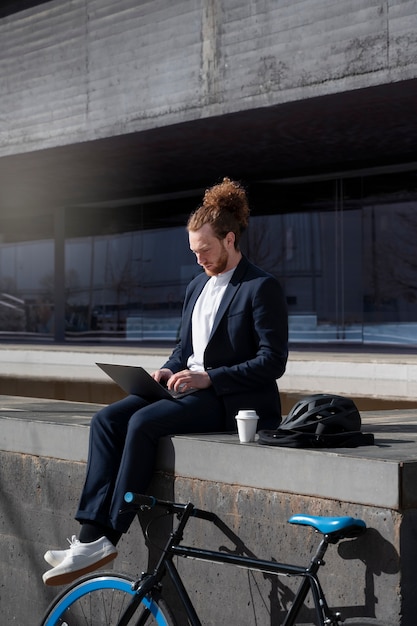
(211, 253)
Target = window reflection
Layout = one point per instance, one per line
(128, 285)
(390, 272)
(27, 288)
(344, 252)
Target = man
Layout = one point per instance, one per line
(231, 350)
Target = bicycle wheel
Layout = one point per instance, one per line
(99, 600)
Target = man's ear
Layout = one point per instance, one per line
(230, 238)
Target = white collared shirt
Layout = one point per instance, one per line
(204, 312)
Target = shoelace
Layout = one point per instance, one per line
(73, 542)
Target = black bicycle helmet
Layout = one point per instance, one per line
(323, 413)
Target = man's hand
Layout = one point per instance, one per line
(186, 380)
(162, 375)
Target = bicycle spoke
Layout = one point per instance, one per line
(102, 607)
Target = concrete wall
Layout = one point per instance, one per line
(83, 69)
(39, 496)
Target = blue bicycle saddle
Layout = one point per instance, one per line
(328, 525)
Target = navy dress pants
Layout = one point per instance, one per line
(123, 443)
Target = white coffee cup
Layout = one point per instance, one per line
(247, 421)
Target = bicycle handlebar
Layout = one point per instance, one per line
(141, 502)
(140, 499)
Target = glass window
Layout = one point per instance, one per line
(27, 288)
(390, 272)
(128, 285)
(344, 251)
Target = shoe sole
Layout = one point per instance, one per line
(69, 577)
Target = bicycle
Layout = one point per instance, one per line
(109, 599)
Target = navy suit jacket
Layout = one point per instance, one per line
(248, 346)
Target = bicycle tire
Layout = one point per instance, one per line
(99, 600)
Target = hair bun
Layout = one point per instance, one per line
(229, 196)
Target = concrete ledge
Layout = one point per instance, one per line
(383, 376)
(59, 430)
(364, 375)
(375, 381)
(45, 427)
(323, 474)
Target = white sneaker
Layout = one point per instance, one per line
(80, 559)
(55, 557)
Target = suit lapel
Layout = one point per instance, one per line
(230, 293)
(188, 311)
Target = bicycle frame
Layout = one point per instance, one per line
(309, 581)
(152, 582)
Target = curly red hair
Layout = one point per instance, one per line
(225, 207)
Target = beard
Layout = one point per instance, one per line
(218, 266)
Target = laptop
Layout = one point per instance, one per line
(135, 380)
